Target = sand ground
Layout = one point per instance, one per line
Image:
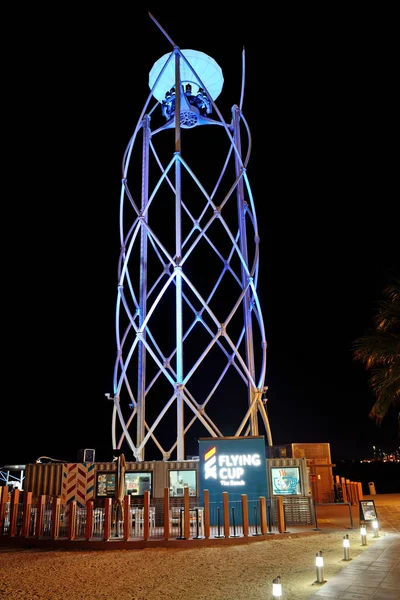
(243, 572)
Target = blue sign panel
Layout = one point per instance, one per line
(234, 465)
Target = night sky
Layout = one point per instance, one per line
(320, 102)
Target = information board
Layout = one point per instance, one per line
(368, 510)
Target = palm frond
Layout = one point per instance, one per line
(379, 351)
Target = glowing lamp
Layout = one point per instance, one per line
(319, 563)
(203, 72)
(346, 547)
(276, 588)
(319, 560)
(375, 527)
(363, 533)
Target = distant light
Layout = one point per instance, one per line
(14, 467)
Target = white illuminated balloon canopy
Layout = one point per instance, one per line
(205, 67)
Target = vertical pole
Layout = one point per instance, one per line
(39, 515)
(178, 269)
(181, 532)
(263, 515)
(245, 275)
(256, 520)
(344, 489)
(127, 517)
(3, 504)
(14, 512)
(245, 515)
(146, 515)
(225, 503)
(107, 518)
(219, 534)
(280, 514)
(141, 395)
(71, 519)
(27, 514)
(206, 514)
(166, 513)
(233, 522)
(316, 528)
(269, 516)
(186, 512)
(360, 492)
(55, 523)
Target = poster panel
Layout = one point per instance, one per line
(368, 510)
(285, 481)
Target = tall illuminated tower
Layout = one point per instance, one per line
(191, 346)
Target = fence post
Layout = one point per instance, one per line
(89, 519)
(350, 488)
(71, 520)
(55, 518)
(3, 504)
(186, 513)
(280, 513)
(146, 515)
(360, 492)
(127, 517)
(206, 514)
(14, 512)
(225, 504)
(107, 518)
(245, 515)
(344, 489)
(39, 514)
(263, 515)
(166, 513)
(27, 513)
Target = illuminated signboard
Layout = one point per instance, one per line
(285, 480)
(234, 465)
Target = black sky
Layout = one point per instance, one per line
(321, 104)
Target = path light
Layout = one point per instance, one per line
(375, 527)
(363, 533)
(319, 563)
(276, 588)
(346, 547)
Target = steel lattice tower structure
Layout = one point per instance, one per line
(191, 345)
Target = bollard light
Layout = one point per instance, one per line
(276, 588)
(319, 563)
(375, 527)
(346, 547)
(363, 533)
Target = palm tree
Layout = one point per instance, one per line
(379, 351)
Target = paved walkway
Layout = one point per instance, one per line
(375, 573)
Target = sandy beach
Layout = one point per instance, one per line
(211, 573)
(241, 572)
